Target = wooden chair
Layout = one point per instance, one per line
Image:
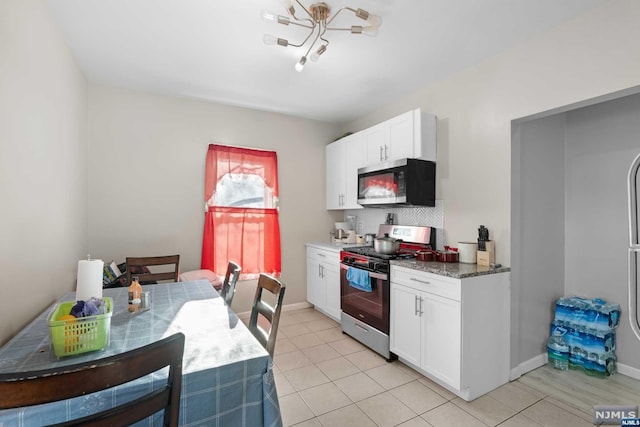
(136, 263)
(38, 387)
(230, 279)
(271, 314)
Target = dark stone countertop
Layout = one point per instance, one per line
(449, 269)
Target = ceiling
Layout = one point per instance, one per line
(212, 50)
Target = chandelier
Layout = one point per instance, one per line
(317, 19)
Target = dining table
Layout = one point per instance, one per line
(227, 377)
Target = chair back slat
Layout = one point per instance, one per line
(170, 262)
(266, 310)
(230, 280)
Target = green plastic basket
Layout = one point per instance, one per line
(80, 335)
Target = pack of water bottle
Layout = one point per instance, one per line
(594, 316)
(582, 335)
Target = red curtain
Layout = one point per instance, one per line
(248, 236)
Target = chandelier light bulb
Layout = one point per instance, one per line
(290, 7)
(269, 39)
(316, 55)
(300, 64)
(269, 16)
(374, 20)
(371, 30)
(272, 40)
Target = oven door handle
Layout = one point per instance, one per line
(371, 273)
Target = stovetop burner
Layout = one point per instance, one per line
(369, 251)
(412, 239)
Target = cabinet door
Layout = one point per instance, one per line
(405, 323)
(376, 141)
(331, 274)
(355, 157)
(401, 137)
(316, 292)
(425, 125)
(335, 168)
(441, 345)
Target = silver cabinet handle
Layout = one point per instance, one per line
(415, 304)
(381, 158)
(421, 312)
(420, 281)
(322, 255)
(386, 155)
(321, 270)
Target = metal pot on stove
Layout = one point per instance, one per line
(369, 238)
(386, 245)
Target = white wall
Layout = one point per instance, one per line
(146, 178)
(602, 141)
(594, 54)
(43, 182)
(538, 232)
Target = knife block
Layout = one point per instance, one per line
(488, 256)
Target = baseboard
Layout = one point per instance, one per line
(296, 306)
(286, 307)
(527, 366)
(541, 359)
(629, 371)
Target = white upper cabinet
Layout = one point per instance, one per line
(409, 135)
(355, 159)
(335, 167)
(376, 141)
(344, 157)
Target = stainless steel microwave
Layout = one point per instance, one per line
(400, 182)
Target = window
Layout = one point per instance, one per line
(246, 191)
(241, 220)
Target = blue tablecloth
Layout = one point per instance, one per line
(227, 375)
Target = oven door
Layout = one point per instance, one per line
(370, 307)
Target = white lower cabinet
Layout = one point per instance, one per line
(454, 331)
(441, 343)
(323, 281)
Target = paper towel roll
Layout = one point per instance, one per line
(89, 282)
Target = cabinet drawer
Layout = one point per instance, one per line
(426, 282)
(323, 256)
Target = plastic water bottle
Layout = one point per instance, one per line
(558, 350)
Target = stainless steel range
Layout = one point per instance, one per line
(364, 285)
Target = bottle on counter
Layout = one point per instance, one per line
(558, 350)
(135, 294)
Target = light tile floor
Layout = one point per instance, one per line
(325, 378)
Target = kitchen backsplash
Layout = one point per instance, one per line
(370, 218)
